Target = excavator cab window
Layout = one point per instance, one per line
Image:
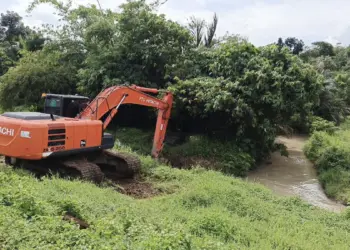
(64, 105)
(52, 105)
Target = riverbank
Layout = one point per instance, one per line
(330, 153)
(294, 175)
(286, 176)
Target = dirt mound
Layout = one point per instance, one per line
(136, 188)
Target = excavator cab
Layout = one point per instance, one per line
(64, 105)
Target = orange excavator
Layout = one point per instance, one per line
(69, 136)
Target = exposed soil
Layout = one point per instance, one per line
(136, 188)
(82, 224)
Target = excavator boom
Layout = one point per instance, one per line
(110, 99)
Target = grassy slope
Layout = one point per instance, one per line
(331, 156)
(207, 211)
(199, 210)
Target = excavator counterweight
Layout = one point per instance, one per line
(69, 136)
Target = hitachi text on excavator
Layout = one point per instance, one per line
(69, 136)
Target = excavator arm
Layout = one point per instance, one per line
(110, 99)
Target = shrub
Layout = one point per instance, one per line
(316, 145)
(320, 124)
(247, 98)
(223, 156)
(337, 183)
(331, 155)
(36, 73)
(335, 156)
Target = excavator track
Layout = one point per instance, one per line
(117, 164)
(87, 170)
(93, 167)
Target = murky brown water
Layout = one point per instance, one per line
(294, 175)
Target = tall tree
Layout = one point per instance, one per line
(204, 34)
(280, 42)
(296, 46)
(12, 27)
(324, 48)
(197, 26)
(211, 31)
(14, 37)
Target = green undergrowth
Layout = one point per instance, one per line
(207, 211)
(196, 150)
(330, 152)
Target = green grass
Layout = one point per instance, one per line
(196, 209)
(330, 152)
(207, 211)
(198, 150)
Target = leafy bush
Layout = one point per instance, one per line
(36, 73)
(333, 64)
(337, 183)
(248, 103)
(223, 156)
(247, 97)
(136, 46)
(332, 106)
(320, 124)
(316, 145)
(331, 155)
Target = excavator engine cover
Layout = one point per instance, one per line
(33, 136)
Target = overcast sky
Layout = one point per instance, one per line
(262, 21)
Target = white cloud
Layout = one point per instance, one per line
(309, 19)
(262, 21)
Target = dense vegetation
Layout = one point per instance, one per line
(224, 87)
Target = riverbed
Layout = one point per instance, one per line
(293, 175)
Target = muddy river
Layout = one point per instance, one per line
(294, 175)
